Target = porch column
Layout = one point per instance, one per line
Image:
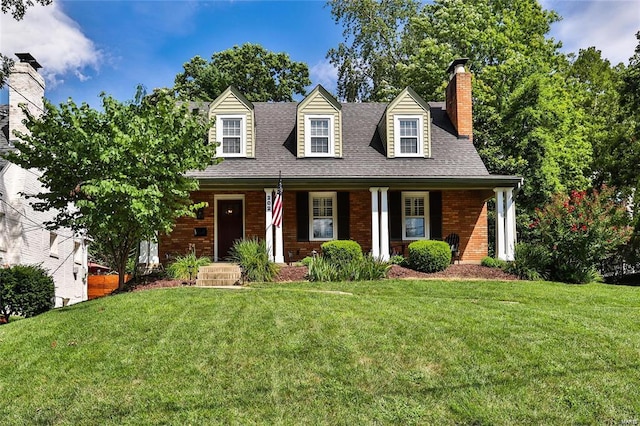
(268, 237)
(510, 225)
(501, 251)
(279, 244)
(375, 224)
(384, 224)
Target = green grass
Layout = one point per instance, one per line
(391, 352)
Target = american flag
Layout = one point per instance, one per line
(277, 205)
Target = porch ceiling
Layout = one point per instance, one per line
(394, 183)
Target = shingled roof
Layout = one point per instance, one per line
(454, 162)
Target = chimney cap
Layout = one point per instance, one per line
(456, 63)
(29, 59)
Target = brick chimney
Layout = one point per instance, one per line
(459, 98)
(26, 87)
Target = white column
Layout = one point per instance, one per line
(279, 244)
(510, 225)
(268, 208)
(384, 224)
(501, 252)
(375, 224)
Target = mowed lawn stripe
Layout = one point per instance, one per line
(390, 352)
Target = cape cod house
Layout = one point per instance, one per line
(23, 236)
(382, 174)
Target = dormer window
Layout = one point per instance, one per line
(231, 135)
(408, 136)
(319, 140)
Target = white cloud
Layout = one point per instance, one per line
(54, 39)
(609, 25)
(325, 74)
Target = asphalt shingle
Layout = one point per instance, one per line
(363, 154)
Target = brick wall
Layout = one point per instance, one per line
(359, 225)
(465, 213)
(182, 239)
(459, 104)
(360, 218)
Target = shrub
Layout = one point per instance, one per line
(253, 257)
(429, 255)
(25, 290)
(365, 268)
(531, 262)
(306, 261)
(397, 259)
(489, 262)
(186, 267)
(341, 251)
(579, 231)
(320, 269)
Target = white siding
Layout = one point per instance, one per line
(230, 105)
(315, 103)
(404, 104)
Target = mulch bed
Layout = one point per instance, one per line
(298, 273)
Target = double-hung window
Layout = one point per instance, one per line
(415, 215)
(319, 136)
(231, 131)
(322, 217)
(408, 136)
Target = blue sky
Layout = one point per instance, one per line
(87, 47)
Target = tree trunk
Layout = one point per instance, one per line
(122, 270)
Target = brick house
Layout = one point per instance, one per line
(382, 174)
(23, 236)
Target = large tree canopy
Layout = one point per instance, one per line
(258, 74)
(118, 174)
(528, 119)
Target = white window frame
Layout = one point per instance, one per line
(427, 225)
(334, 216)
(307, 135)
(243, 134)
(396, 135)
(54, 245)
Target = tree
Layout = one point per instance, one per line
(118, 174)
(375, 35)
(17, 8)
(258, 74)
(525, 121)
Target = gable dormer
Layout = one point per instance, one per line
(319, 125)
(232, 116)
(405, 126)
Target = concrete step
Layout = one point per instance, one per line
(217, 282)
(219, 274)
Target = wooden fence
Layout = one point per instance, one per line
(101, 285)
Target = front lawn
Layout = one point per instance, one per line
(388, 352)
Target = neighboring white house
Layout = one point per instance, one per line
(23, 237)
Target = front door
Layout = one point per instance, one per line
(230, 225)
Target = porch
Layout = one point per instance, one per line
(383, 220)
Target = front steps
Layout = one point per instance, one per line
(219, 274)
